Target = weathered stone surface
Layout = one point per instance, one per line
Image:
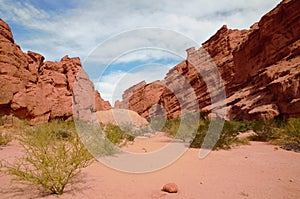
(270, 41)
(124, 104)
(100, 104)
(86, 101)
(5, 32)
(36, 90)
(141, 97)
(170, 188)
(121, 117)
(259, 68)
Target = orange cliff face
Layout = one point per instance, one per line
(260, 70)
(33, 89)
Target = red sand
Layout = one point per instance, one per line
(256, 171)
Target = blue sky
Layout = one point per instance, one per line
(55, 28)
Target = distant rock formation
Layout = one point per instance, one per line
(260, 70)
(141, 97)
(33, 89)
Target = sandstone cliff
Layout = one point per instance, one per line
(259, 67)
(141, 97)
(33, 89)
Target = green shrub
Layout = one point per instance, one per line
(200, 135)
(264, 130)
(284, 133)
(1, 121)
(5, 138)
(171, 126)
(290, 140)
(53, 156)
(293, 129)
(157, 123)
(243, 126)
(94, 139)
(227, 138)
(115, 134)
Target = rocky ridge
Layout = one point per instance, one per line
(34, 89)
(259, 67)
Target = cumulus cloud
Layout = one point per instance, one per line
(78, 29)
(55, 28)
(113, 84)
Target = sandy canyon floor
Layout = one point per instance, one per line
(259, 170)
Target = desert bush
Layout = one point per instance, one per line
(284, 133)
(171, 126)
(188, 127)
(5, 138)
(53, 156)
(266, 130)
(115, 134)
(157, 122)
(94, 138)
(131, 131)
(200, 135)
(226, 140)
(290, 136)
(1, 121)
(184, 128)
(293, 129)
(242, 125)
(228, 136)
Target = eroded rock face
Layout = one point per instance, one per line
(259, 67)
(141, 97)
(33, 89)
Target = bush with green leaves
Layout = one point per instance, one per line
(53, 156)
(285, 133)
(171, 126)
(157, 123)
(5, 138)
(115, 134)
(225, 140)
(93, 137)
(292, 137)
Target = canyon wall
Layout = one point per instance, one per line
(33, 89)
(259, 69)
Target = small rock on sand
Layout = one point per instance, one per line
(170, 188)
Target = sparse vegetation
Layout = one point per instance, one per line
(227, 138)
(283, 133)
(5, 138)
(157, 123)
(1, 121)
(53, 156)
(94, 139)
(276, 131)
(54, 153)
(116, 135)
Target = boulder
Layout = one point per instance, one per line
(170, 188)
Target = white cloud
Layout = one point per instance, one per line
(112, 85)
(76, 31)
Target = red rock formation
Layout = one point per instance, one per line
(33, 89)
(268, 66)
(170, 188)
(270, 41)
(260, 70)
(127, 95)
(100, 104)
(141, 97)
